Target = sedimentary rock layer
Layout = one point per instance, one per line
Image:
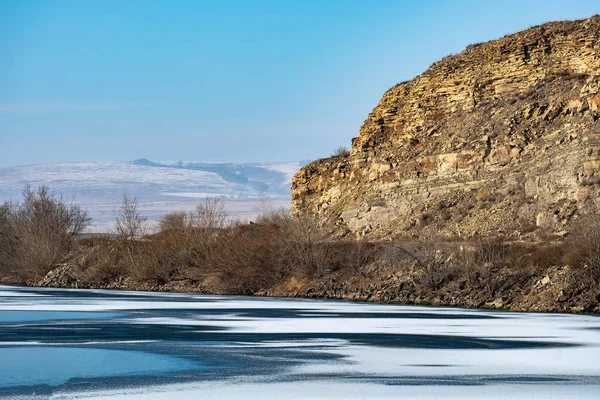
(501, 138)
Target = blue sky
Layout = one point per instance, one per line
(222, 80)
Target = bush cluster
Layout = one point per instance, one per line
(206, 249)
(219, 255)
(37, 233)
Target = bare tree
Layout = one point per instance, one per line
(130, 223)
(264, 200)
(210, 214)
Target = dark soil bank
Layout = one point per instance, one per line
(268, 260)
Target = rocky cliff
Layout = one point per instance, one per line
(501, 138)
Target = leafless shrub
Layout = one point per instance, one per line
(245, 259)
(394, 257)
(98, 258)
(585, 241)
(174, 253)
(350, 257)
(129, 222)
(9, 241)
(491, 253)
(104, 273)
(341, 151)
(206, 225)
(155, 261)
(432, 260)
(175, 221)
(264, 200)
(184, 242)
(130, 227)
(210, 214)
(301, 242)
(477, 261)
(540, 256)
(37, 233)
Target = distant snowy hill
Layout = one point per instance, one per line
(276, 176)
(160, 187)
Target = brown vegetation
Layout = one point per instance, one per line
(341, 151)
(174, 221)
(37, 233)
(585, 246)
(287, 255)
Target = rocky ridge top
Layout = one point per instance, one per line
(501, 138)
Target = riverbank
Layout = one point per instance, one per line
(292, 256)
(372, 272)
(556, 291)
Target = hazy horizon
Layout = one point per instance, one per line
(222, 81)
(157, 161)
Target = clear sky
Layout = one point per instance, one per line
(245, 80)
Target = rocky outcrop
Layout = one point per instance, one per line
(501, 138)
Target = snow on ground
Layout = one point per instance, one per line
(327, 390)
(98, 187)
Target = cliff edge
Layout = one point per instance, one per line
(501, 138)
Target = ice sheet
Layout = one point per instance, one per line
(307, 349)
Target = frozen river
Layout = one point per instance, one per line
(94, 344)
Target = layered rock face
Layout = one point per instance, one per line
(501, 138)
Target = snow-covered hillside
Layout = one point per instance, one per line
(160, 187)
